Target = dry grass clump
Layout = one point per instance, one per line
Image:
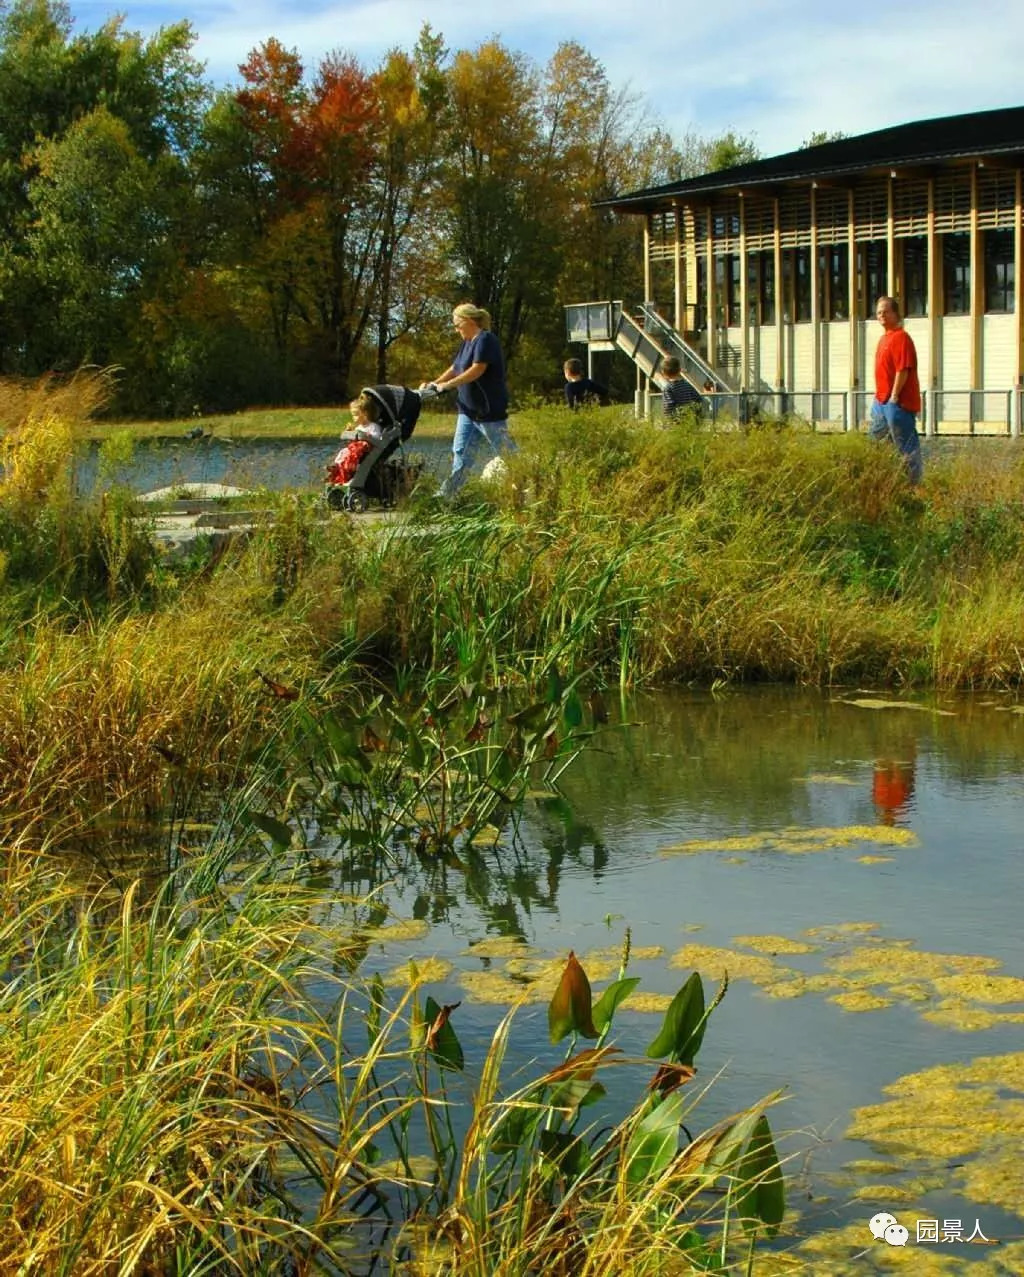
(112, 710)
(75, 398)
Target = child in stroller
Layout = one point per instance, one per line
(366, 468)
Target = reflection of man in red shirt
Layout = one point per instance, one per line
(897, 390)
(891, 788)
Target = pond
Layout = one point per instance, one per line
(242, 463)
(855, 860)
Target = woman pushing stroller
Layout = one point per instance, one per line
(478, 373)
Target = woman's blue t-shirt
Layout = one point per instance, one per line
(485, 399)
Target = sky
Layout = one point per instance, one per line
(773, 70)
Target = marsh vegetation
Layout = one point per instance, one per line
(197, 1077)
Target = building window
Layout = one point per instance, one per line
(999, 271)
(834, 281)
(801, 284)
(872, 275)
(700, 309)
(956, 274)
(915, 275)
(733, 308)
(765, 293)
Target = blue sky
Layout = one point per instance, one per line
(774, 69)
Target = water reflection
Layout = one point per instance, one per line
(770, 766)
(242, 463)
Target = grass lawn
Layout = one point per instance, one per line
(266, 423)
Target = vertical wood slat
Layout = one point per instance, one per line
(815, 302)
(677, 279)
(854, 305)
(934, 290)
(890, 244)
(712, 299)
(977, 286)
(780, 348)
(647, 257)
(744, 321)
(1018, 308)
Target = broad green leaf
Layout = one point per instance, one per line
(510, 1132)
(572, 711)
(726, 1151)
(567, 1151)
(654, 1140)
(682, 1030)
(533, 716)
(441, 1039)
(278, 832)
(759, 1189)
(569, 1011)
(577, 1093)
(609, 1000)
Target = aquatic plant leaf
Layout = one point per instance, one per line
(278, 832)
(682, 1030)
(280, 690)
(583, 1064)
(670, 1077)
(572, 710)
(375, 1010)
(618, 991)
(760, 1194)
(577, 1093)
(510, 1132)
(533, 716)
(567, 1151)
(654, 1140)
(441, 1039)
(569, 1011)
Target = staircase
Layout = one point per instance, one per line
(648, 340)
(645, 337)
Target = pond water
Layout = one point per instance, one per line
(242, 463)
(819, 847)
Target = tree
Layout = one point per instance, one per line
(696, 155)
(151, 96)
(820, 136)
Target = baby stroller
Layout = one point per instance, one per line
(381, 475)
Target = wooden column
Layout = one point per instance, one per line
(712, 293)
(647, 257)
(678, 283)
(977, 287)
(815, 300)
(851, 289)
(744, 301)
(780, 356)
(1018, 289)
(890, 238)
(933, 248)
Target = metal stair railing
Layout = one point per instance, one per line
(695, 369)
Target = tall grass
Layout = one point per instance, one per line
(193, 1083)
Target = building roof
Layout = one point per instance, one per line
(923, 142)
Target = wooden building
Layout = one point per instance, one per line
(763, 278)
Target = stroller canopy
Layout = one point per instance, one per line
(400, 404)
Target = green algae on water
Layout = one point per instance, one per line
(795, 840)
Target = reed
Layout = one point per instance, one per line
(191, 1085)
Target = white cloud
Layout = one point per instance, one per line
(777, 69)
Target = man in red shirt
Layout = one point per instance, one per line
(897, 391)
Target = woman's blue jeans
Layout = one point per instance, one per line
(890, 421)
(469, 435)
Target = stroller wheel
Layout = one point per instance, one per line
(335, 499)
(357, 501)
